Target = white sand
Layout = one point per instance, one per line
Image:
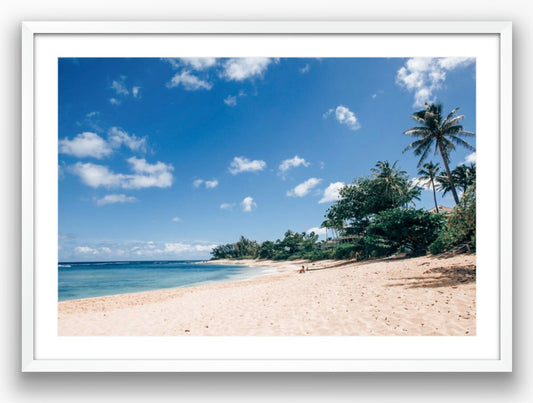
(418, 296)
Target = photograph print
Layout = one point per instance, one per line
(267, 196)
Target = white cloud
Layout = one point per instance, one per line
(119, 88)
(189, 82)
(331, 193)
(86, 250)
(133, 249)
(118, 136)
(304, 188)
(208, 184)
(145, 175)
(197, 183)
(242, 164)
(85, 144)
(149, 175)
(135, 91)
(423, 183)
(293, 162)
(227, 206)
(178, 247)
(230, 100)
(344, 116)
(470, 158)
(450, 63)
(97, 175)
(114, 101)
(211, 184)
(115, 198)
(425, 75)
(176, 219)
(240, 69)
(248, 204)
(199, 63)
(317, 231)
(305, 69)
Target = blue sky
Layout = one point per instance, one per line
(165, 158)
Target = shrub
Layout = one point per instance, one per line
(346, 251)
(460, 225)
(398, 228)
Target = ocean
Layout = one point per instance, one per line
(96, 279)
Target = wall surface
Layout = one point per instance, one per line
(57, 388)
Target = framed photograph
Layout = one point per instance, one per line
(266, 196)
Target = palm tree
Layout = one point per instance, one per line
(428, 173)
(443, 184)
(391, 177)
(443, 134)
(464, 176)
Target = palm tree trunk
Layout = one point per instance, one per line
(454, 193)
(434, 196)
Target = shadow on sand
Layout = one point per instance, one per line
(439, 277)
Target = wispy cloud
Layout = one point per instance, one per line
(121, 90)
(189, 82)
(230, 100)
(119, 87)
(208, 184)
(242, 164)
(86, 144)
(248, 204)
(144, 175)
(423, 76)
(305, 69)
(243, 68)
(293, 162)
(304, 188)
(176, 219)
(117, 137)
(331, 193)
(115, 198)
(344, 116)
(199, 63)
(141, 249)
(227, 206)
(181, 248)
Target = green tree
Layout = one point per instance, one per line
(463, 177)
(428, 174)
(404, 228)
(390, 177)
(388, 188)
(442, 134)
(267, 250)
(460, 224)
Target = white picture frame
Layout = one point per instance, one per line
(39, 354)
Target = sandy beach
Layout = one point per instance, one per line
(387, 297)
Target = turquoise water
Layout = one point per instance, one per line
(96, 279)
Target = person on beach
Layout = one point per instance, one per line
(302, 270)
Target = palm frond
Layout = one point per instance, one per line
(460, 141)
(452, 113)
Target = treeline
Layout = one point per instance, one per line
(376, 215)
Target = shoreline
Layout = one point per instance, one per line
(411, 296)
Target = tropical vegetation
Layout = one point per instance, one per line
(375, 215)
